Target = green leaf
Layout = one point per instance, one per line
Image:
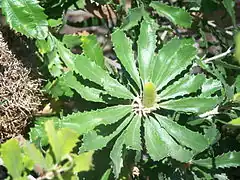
(58, 88)
(183, 86)
(156, 147)
(92, 50)
(191, 104)
(87, 93)
(12, 158)
(34, 154)
(133, 17)
(229, 5)
(93, 141)
(89, 70)
(235, 122)
(175, 150)
(106, 175)
(171, 60)
(26, 17)
(87, 121)
(237, 48)
(55, 65)
(210, 86)
(177, 15)
(184, 136)
(133, 135)
(71, 41)
(37, 134)
(66, 55)
(146, 47)
(237, 82)
(83, 162)
(62, 141)
(123, 49)
(226, 160)
(116, 155)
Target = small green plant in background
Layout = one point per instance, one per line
(20, 158)
(139, 108)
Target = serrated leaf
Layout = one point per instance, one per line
(171, 60)
(34, 154)
(62, 141)
(183, 86)
(92, 50)
(93, 141)
(12, 158)
(229, 5)
(226, 160)
(133, 17)
(156, 147)
(209, 87)
(212, 134)
(237, 82)
(66, 55)
(235, 122)
(87, 93)
(84, 122)
(37, 133)
(133, 135)
(106, 175)
(31, 22)
(184, 136)
(55, 65)
(123, 49)
(175, 150)
(191, 104)
(146, 47)
(71, 41)
(116, 155)
(83, 162)
(177, 15)
(89, 70)
(58, 88)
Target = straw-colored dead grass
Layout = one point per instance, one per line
(19, 94)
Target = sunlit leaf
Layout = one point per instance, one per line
(83, 162)
(191, 104)
(235, 122)
(83, 122)
(62, 141)
(93, 141)
(146, 47)
(123, 49)
(26, 17)
(156, 147)
(185, 85)
(226, 160)
(171, 60)
(184, 136)
(132, 18)
(92, 50)
(12, 158)
(133, 135)
(177, 15)
(89, 70)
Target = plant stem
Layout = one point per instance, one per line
(218, 56)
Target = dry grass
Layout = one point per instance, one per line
(19, 94)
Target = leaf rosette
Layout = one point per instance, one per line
(158, 81)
